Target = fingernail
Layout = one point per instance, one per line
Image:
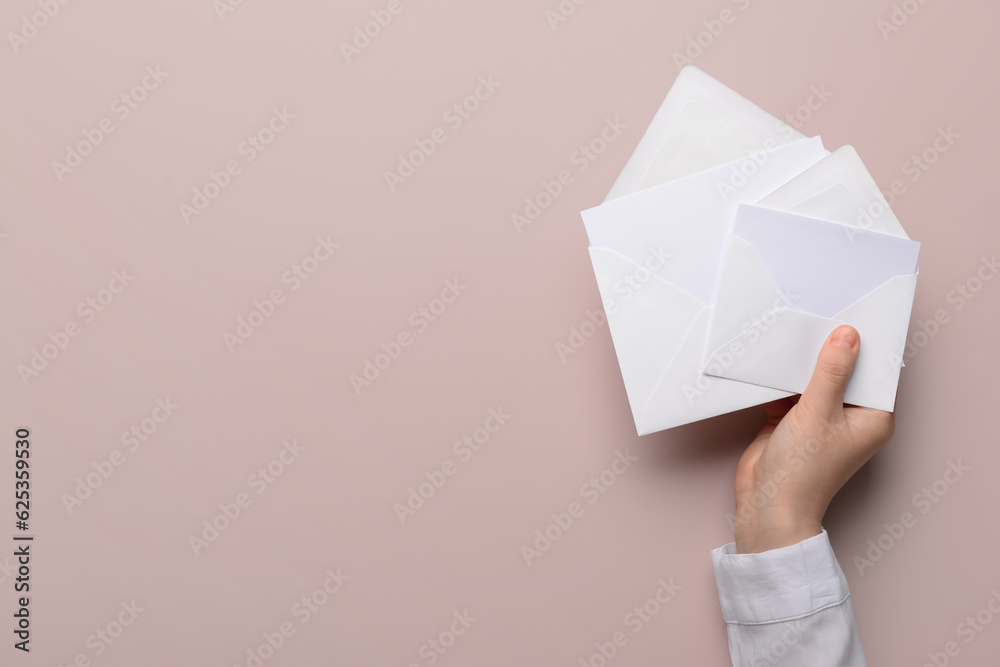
(845, 337)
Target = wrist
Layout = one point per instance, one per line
(764, 532)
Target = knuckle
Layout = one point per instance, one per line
(887, 426)
(876, 430)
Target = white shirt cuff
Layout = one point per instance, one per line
(778, 585)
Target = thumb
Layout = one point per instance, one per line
(824, 396)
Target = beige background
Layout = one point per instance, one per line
(162, 335)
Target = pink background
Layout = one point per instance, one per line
(495, 346)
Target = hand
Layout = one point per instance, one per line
(807, 450)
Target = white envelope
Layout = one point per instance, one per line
(701, 124)
(839, 189)
(788, 281)
(659, 308)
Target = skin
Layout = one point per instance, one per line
(807, 450)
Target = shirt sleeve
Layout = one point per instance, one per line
(787, 607)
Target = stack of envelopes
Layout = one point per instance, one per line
(728, 250)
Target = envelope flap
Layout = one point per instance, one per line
(698, 140)
(826, 266)
(700, 124)
(647, 324)
(838, 189)
(683, 394)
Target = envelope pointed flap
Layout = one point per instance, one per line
(838, 189)
(826, 266)
(747, 293)
(699, 139)
(648, 318)
(699, 125)
(894, 297)
(684, 395)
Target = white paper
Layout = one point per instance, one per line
(825, 268)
